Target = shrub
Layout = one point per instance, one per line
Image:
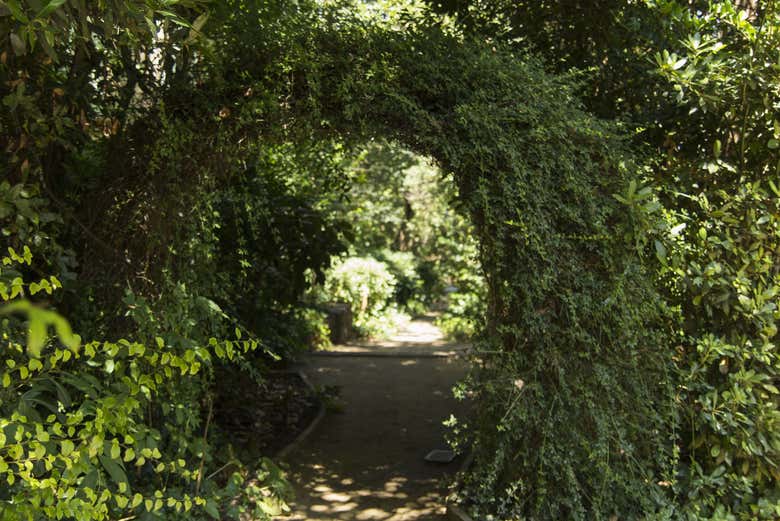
(409, 291)
(465, 311)
(364, 283)
(104, 430)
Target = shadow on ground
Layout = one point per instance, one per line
(366, 462)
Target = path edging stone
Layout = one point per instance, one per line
(455, 512)
(287, 449)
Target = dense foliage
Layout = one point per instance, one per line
(366, 285)
(117, 192)
(174, 182)
(706, 113)
(573, 335)
(723, 264)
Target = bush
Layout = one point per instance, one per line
(96, 430)
(409, 290)
(464, 313)
(367, 285)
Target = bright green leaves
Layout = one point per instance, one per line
(24, 258)
(67, 421)
(717, 147)
(366, 284)
(129, 455)
(66, 448)
(40, 320)
(115, 451)
(670, 61)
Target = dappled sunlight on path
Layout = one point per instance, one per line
(365, 461)
(418, 337)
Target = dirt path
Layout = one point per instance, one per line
(420, 337)
(366, 461)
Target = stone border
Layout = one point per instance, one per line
(308, 430)
(454, 512)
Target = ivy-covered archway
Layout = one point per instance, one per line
(569, 375)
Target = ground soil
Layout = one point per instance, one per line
(261, 419)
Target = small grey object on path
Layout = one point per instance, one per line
(440, 456)
(367, 462)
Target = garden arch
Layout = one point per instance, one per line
(568, 374)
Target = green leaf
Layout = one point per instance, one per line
(66, 448)
(715, 451)
(48, 9)
(197, 25)
(129, 454)
(66, 335)
(36, 336)
(716, 149)
(114, 470)
(16, 11)
(211, 509)
(660, 251)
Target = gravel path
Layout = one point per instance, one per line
(365, 461)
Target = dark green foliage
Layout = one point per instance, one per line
(118, 169)
(180, 196)
(570, 374)
(277, 232)
(609, 39)
(572, 313)
(720, 254)
(706, 107)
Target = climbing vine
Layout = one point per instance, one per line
(169, 185)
